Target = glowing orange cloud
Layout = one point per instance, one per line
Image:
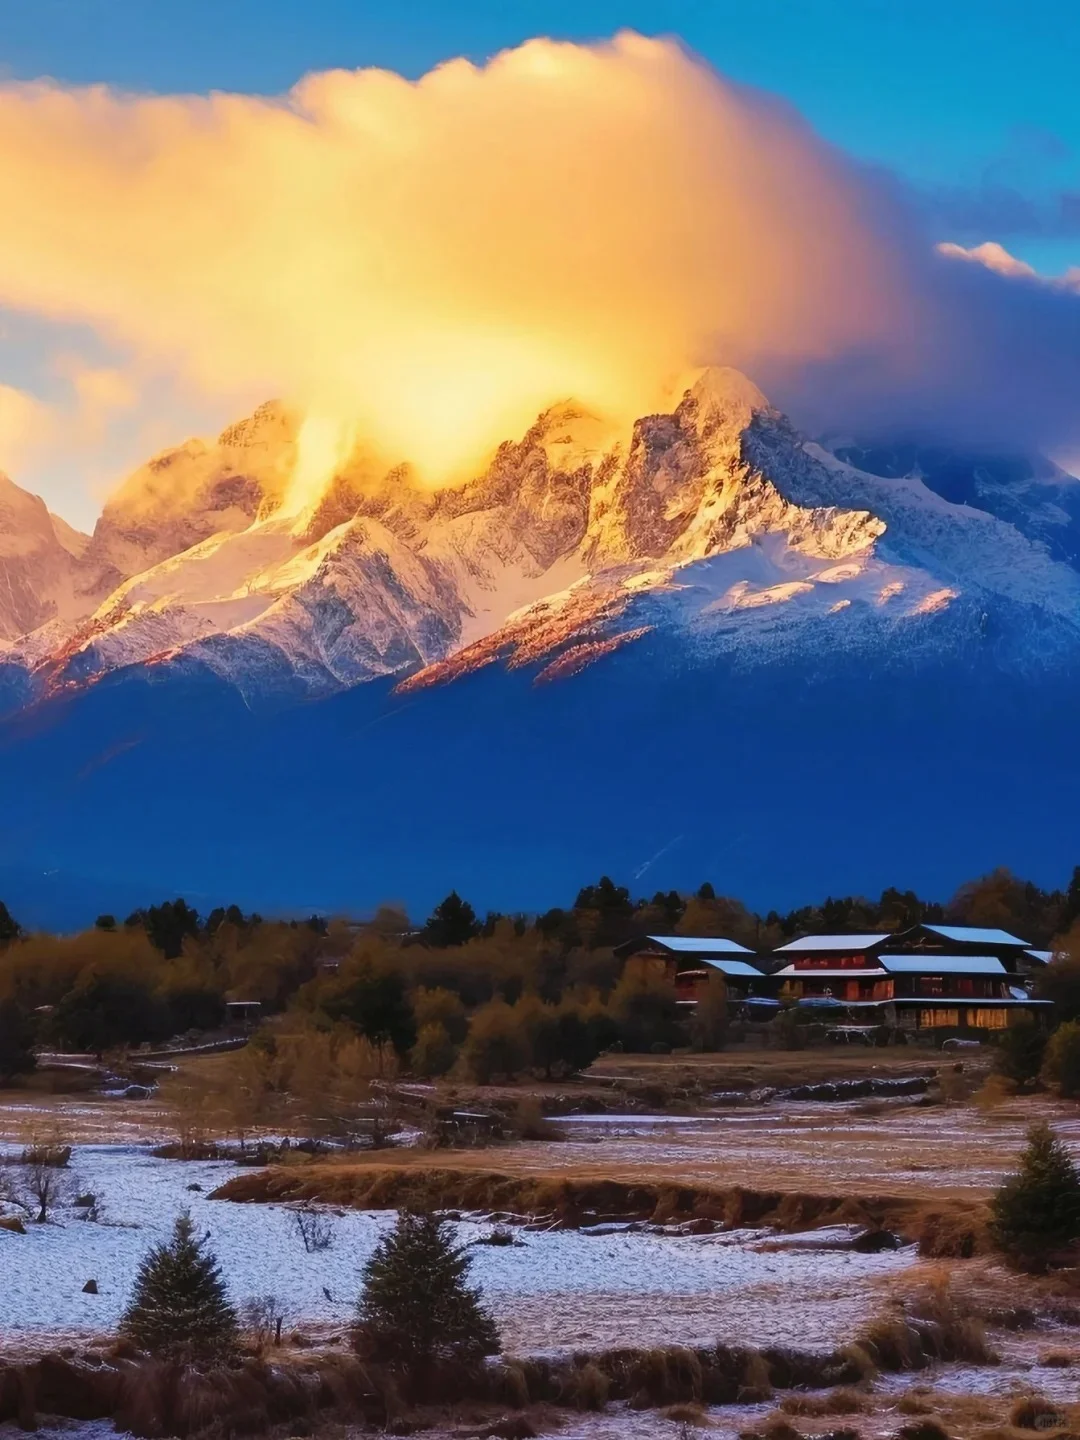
(427, 265)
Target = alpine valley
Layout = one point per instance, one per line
(706, 648)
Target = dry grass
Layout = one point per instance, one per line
(746, 1069)
(1035, 1413)
(1058, 1359)
(928, 1428)
(844, 1401)
(951, 1228)
(688, 1414)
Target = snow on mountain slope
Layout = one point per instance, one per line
(42, 576)
(188, 494)
(962, 545)
(715, 522)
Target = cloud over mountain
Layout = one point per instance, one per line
(427, 265)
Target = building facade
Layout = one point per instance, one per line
(930, 977)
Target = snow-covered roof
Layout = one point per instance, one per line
(734, 968)
(974, 935)
(689, 945)
(861, 974)
(942, 964)
(1043, 956)
(849, 944)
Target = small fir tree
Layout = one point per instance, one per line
(180, 1307)
(1036, 1212)
(416, 1309)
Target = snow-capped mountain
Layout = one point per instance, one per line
(710, 592)
(42, 574)
(716, 520)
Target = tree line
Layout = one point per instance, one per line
(499, 994)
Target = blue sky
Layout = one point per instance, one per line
(966, 95)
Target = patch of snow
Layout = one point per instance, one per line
(562, 1288)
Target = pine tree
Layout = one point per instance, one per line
(16, 1040)
(10, 929)
(416, 1308)
(1036, 1212)
(180, 1307)
(452, 922)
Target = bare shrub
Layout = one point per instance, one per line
(195, 1110)
(955, 1084)
(39, 1181)
(315, 1227)
(261, 1319)
(501, 1235)
(530, 1123)
(46, 1187)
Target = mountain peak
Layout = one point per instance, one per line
(719, 388)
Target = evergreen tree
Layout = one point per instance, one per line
(1020, 1051)
(179, 1307)
(16, 1041)
(416, 1308)
(1036, 1212)
(103, 1010)
(1060, 981)
(1070, 911)
(376, 1000)
(453, 922)
(1062, 1065)
(10, 929)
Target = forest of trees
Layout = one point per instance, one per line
(496, 994)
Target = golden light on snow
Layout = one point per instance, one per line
(428, 265)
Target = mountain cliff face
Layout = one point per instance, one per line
(42, 573)
(709, 584)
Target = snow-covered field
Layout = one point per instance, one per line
(557, 1289)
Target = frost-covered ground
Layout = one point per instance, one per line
(877, 1147)
(557, 1289)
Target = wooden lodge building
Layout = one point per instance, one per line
(953, 978)
(689, 962)
(929, 977)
